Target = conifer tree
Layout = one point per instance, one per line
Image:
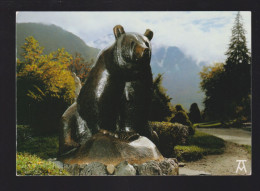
(194, 114)
(237, 66)
(238, 70)
(161, 103)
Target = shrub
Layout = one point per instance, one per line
(188, 153)
(27, 164)
(170, 135)
(194, 114)
(182, 118)
(179, 107)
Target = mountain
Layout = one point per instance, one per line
(180, 75)
(52, 37)
(103, 41)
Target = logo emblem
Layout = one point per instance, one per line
(241, 162)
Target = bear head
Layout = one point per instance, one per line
(133, 51)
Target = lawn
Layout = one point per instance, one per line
(199, 145)
(212, 124)
(218, 124)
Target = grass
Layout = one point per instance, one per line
(33, 152)
(217, 124)
(199, 145)
(248, 148)
(43, 146)
(212, 124)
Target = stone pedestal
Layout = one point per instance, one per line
(106, 155)
(108, 150)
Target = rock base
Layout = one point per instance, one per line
(108, 150)
(104, 154)
(166, 167)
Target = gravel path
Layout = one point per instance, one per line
(224, 164)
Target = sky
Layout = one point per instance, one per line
(202, 35)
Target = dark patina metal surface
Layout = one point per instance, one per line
(116, 98)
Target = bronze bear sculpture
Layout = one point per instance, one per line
(116, 95)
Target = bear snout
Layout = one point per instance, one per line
(142, 52)
(145, 55)
(146, 52)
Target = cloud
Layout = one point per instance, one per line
(202, 35)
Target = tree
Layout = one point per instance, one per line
(161, 102)
(238, 70)
(228, 86)
(238, 61)
(214, 85)
(45, 86)
(80, 67)
(194, 113)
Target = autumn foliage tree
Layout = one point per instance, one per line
(45, 86)
(80, 67)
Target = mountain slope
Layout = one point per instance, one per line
(52, 37)
(180, 75)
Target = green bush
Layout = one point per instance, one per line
(199, 144)
(179, 107)
(27, 164)
(188, 153)
(182, 118)
(170, 135)
(194, 114)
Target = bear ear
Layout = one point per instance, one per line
(118, 31)
(149, 34)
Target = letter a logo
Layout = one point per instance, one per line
(239, 165)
